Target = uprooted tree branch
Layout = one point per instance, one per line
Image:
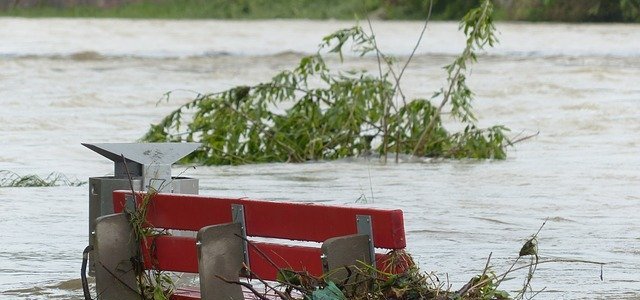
(312, 113)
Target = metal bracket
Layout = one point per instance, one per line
(129, 204)
(364, 225)
(237, 216)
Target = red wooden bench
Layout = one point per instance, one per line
(348, 234)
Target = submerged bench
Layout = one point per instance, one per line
(226, 240)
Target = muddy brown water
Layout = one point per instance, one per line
(63, 82)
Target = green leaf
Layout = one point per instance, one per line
(288, 276)
(158, 294)
(330, 292)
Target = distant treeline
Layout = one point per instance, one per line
(521, 10)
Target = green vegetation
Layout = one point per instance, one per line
(523, 10)
(573, 11)
(12, 179)
(400, 279)
(529, 10)
(153, 284)
(217, 9)
(312, 113)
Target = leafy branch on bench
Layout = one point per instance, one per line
(313, 113)
(153, 284)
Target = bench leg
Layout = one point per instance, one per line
(345, 251)
(220, 254)
(114, 247)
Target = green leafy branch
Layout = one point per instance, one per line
(314, 113)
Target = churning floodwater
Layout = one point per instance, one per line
(63, 82)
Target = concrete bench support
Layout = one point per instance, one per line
(220, 254)
(115, 247)
(345, 251)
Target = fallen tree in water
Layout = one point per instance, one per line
(311, 113)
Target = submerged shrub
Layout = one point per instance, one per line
(312, 113)
(12, 179)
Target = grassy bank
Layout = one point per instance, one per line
(525, 10)
(247, 9)
(208, 9)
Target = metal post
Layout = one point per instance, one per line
(237, 215)
(364, 225)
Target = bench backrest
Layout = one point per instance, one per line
(264, 219)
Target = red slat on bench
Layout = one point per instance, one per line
(179, 254)
(296, 258)
(284, 220)
(171, 253)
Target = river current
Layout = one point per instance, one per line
(67, 81)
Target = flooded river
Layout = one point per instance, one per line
(63, 82)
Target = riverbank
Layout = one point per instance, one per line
(506, 10)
